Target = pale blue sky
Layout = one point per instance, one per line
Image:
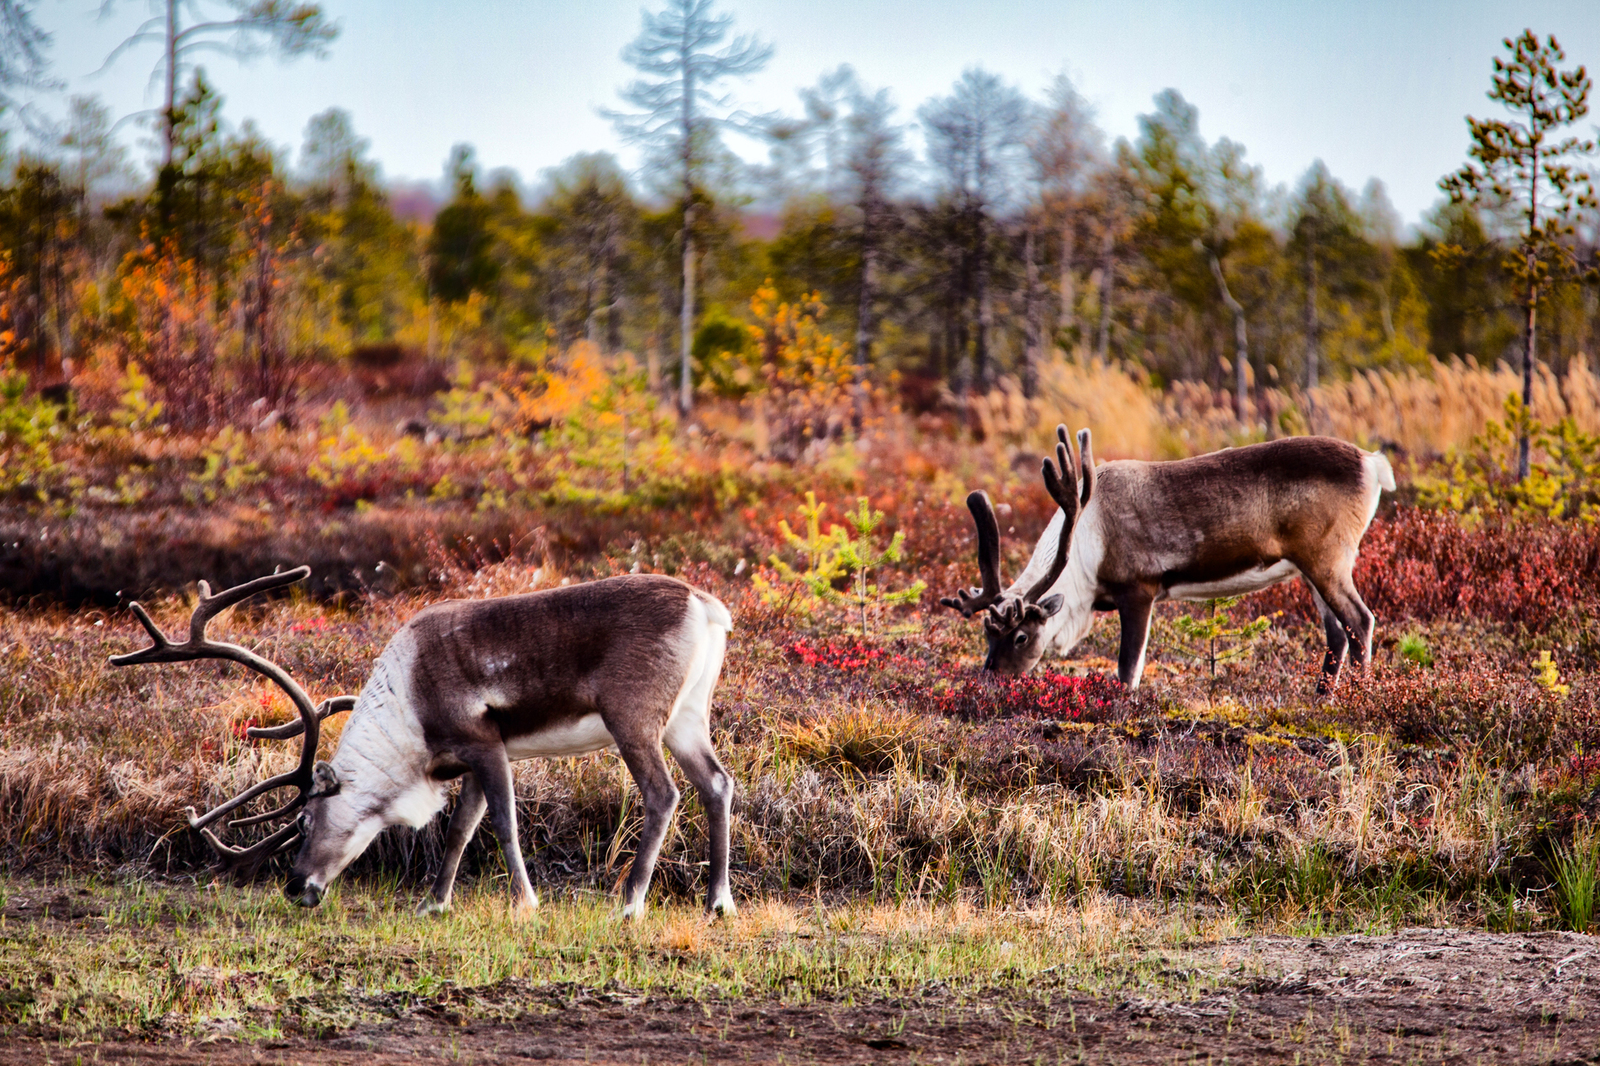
(1376, 89)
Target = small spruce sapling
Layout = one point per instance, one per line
(835, 556)
(1548, 674)
(861, 555)
(1216, 639)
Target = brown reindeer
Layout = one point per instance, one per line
(467, 687)
(1137, 533)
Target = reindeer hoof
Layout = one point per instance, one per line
(430, 906)
(722, 908)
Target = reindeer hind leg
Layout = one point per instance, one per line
(639, 743)
(688, 737)
(1346, 620)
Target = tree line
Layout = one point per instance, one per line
(1018, 229)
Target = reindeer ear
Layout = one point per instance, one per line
(324, 780)
(1051, 604)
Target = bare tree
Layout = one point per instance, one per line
(875, 157)
(977, 139)
(242, 29)
(1067, 147)
(679, 116)
(22, 45)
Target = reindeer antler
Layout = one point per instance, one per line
(1062, 486)
(243, 862)
(970, 601)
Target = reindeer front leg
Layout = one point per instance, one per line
(463, 823)
(1133, 608)
(492, 770)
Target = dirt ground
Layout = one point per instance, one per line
(1420, 996)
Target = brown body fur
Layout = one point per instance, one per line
(467, 686)
(1221, 524)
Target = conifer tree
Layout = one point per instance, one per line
(1521, 166)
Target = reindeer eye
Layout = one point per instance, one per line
(1022, 638)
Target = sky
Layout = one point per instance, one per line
(1374, 88)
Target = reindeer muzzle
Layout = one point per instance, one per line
(302, 891)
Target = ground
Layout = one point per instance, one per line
(1411, 996)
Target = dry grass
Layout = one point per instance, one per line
(1422, 412)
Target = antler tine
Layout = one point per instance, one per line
(242, 863)
(331, 705)
(1059, 483)
(198, 647)
(261, 788)
(210, 606)
(1086, 461)
(971, 601)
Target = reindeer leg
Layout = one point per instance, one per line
(688, 737)
(1339, 592)
(463, 823)
(492, 770)
(1133, 608)
(641, 751)
(1338, 641)
(715, 787)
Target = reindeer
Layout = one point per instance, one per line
(1130, 534)
(464, 689)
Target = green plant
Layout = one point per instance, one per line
(1482, 478)
(28, 428)
(1577, 871)
(226, 470)
(1548, 675)
(469, 413)
(1213, 639)
(835, 557)
(1413, 647)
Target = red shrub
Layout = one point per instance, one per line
(1426, 565)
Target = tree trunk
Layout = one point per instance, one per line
(1241, 343)
(168, 114)
(1107, 244)
(1529, 338)
(1529, 335)
(1030, 359)
(1313, 327)
(1069, 287)
(869, 265)
(685, 374)
(985, 305)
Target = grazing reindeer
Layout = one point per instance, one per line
(467, 687)
(1137, 533)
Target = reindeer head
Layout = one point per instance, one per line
(1015, 624)
(381, 775)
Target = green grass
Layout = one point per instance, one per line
(163, 959)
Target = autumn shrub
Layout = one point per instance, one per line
(1498, 709)
(170, 327)
(1423, 565)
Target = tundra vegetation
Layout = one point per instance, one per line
(247, 365)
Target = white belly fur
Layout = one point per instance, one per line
(1253, 580)
(574, 737)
